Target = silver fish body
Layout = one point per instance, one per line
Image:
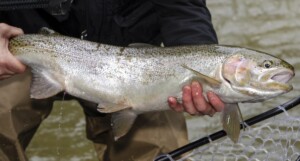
(128, 81)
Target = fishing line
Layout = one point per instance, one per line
(205, 140)
(60, 131)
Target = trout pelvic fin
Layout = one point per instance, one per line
(231, 121)
(211, 81)
(43, 86)
(122, 118)
(121, 122)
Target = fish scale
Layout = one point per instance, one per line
(127, 81)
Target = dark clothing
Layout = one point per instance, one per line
(121, 22)
(173, 22)
(117, 22)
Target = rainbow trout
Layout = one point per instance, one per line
(127, 81)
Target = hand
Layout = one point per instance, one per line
(9, 65)
(194, 103)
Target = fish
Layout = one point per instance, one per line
(128, 81)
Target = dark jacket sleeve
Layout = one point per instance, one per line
(28, 20)
(185, 22)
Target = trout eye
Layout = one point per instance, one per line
(267, 64)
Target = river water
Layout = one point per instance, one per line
(272, 26)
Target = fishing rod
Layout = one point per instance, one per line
(205, 140)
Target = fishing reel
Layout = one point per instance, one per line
(54, 7)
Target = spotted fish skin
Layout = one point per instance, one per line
(128, 81)
(133, 76)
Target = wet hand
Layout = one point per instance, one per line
(194, 103)
(9, 65)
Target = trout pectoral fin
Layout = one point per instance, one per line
(43, 86)
(111, 107)
(121, 122)
(231, 121)
(211, 81)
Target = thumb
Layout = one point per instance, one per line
(8, 31)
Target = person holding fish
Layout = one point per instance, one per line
(170, 22)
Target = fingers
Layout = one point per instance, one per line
(215, 101)
(8, 31)
(194, 103)
(175, 105)
(187, 101)
(5, 76)
(9, 65)
(15, 66)
(5, 73)
(199, 101)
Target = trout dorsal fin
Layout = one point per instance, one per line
(211, 81)
(140, 45)
(47, 31)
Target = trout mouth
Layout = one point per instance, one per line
(283, 76)
(280, 79)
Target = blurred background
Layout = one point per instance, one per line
(272, 26)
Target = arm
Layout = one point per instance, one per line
(185, 22)
(9, 65)
(189, 22)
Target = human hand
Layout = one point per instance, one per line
(9, 65)
(194, 103)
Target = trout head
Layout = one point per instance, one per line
(256, 75)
